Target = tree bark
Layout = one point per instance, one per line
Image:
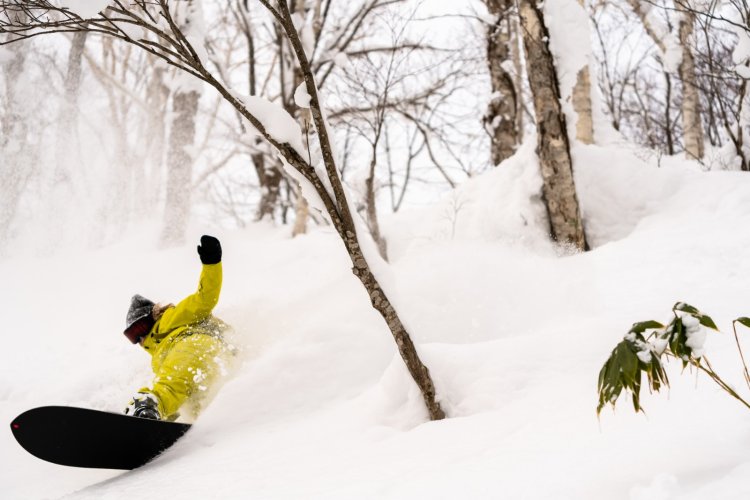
(370, 207)
(500, 119)
(691, 116)
(516, 41)
(668, 114)
(301, 214)
(582, 107)
(553, 147)
(269, 177)
(179, 167)
(582, 103)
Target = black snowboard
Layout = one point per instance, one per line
(80, 437)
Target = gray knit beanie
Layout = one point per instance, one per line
(140, 308)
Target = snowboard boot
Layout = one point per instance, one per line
(144, 405)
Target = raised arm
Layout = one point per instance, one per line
(199, 305)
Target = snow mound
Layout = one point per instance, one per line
(513, 333)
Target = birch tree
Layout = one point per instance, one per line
(553, 145)
(691, 116)
(582, 103)
(501, 119)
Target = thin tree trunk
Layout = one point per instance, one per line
(68, 119)
(691, 116)
(371, 208)
(516, 42)
(582, 107)
(668, 115)
(582, 103)
(267, 169)
(269, 175)
(179, 167)
(302, 208)
(500, 119)
(301, 214)
(552, 138)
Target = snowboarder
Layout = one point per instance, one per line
(186, 343)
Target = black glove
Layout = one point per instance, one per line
(209, 250)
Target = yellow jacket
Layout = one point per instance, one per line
(191, 316)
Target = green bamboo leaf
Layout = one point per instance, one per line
(675, 330)
(708, 322)
(641, 327)
(681, 306)
(636, 401)
(743, 321)
(636, 389)
(612, 374)
(628, 362)
(620, 372)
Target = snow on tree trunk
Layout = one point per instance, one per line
(570, 44)
(500, 120)
(553, 147)
(179, 167)
(691, 117)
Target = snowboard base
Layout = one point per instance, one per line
(81, 437)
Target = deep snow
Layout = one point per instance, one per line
(513, 329)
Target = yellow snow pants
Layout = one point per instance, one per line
(186, 373)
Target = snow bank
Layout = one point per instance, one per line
(513, 333)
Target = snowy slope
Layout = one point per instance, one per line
(513, 330)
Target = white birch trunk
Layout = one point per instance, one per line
(691, 116)
(500, 120)
(582, 103)
(553, 147)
